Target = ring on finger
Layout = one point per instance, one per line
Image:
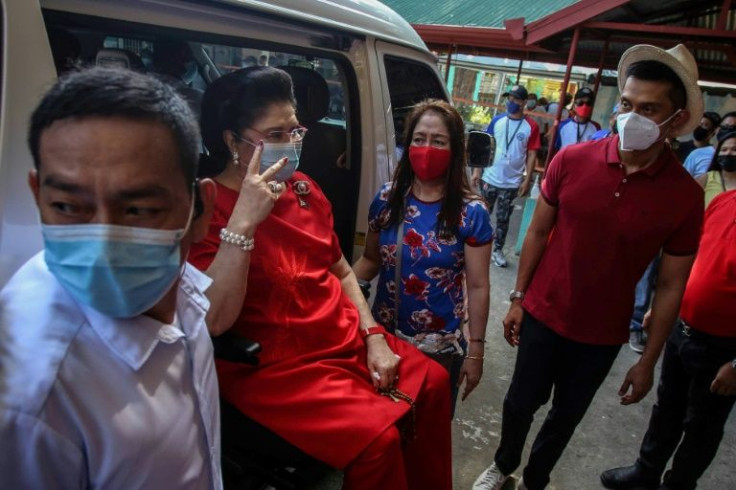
(274, 186)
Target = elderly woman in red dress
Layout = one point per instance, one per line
(280, 279)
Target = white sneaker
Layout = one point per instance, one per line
(490, 479)
(499, 258)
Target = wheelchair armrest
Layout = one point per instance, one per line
(365, 287)
(231, 347)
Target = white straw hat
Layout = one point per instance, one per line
(682, 63)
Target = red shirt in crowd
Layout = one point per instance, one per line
(609, 227)
(709, 303)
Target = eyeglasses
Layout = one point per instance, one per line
(583, 102)
(293, 136)
(727, 128)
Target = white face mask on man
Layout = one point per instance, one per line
(637, 132)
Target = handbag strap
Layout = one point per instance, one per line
(397, 274)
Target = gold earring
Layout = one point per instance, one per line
(236, 157)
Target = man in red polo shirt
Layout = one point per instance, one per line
(608, 207)
(697, 386)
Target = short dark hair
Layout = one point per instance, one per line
(117, 92)
(655, 71)
(713, 117)
(234, 102)
(727, 115)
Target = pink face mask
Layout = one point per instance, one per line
(428, 162)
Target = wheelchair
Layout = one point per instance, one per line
(254, 457)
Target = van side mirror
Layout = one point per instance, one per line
(480, 149)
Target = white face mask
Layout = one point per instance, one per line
(638, 132)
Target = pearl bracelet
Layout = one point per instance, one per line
(241, 241)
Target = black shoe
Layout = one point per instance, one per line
(628, 478)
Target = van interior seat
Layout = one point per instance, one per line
(324, 150)
(119, 58)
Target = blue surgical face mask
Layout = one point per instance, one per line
(120, 271)
(273, 152)
(512, 107)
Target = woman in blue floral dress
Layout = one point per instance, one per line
(445, 247)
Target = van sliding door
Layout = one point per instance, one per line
(409, 77)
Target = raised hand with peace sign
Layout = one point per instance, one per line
(258, 193)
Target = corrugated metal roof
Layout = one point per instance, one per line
(479, 13)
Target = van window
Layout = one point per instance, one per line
(228, 59)
(408, 82)
(323, 86)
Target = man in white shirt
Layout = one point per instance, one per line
(579, 128)
(106, 369)
(510, 175)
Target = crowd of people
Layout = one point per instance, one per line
(152, 247)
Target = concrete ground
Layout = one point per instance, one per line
(609, 435)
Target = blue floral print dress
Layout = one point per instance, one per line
(432, 294)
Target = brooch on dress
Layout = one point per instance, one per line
(301, 188)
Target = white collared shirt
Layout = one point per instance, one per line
(89, 401)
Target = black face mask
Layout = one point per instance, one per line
(727, 162)
(700, 134)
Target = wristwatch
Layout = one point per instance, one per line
(514, 294)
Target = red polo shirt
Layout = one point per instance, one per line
(709, 303)
(609, 227)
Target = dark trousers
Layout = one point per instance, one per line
(686, 405)
(546, 360)
(505, 198)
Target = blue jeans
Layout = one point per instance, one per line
(643, 294)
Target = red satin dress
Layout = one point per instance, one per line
(312, 386)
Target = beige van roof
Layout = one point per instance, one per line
(366, 17)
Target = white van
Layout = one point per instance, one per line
(356, 64)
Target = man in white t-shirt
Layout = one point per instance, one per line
(578, 128)
(510, 175)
